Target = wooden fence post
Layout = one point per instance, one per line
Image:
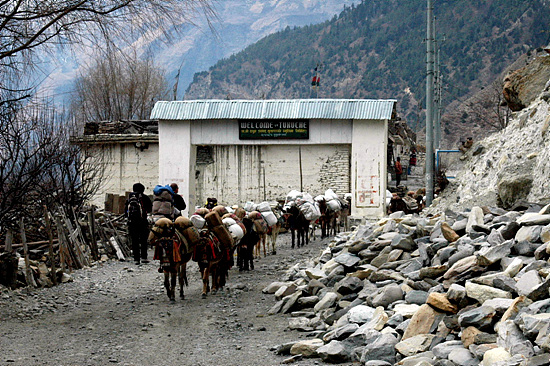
(93, 237)
(29, 277)
(53, 271)
(9, 241)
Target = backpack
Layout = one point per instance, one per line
(135, 209)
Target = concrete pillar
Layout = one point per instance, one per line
(177, 159)
(369, 168)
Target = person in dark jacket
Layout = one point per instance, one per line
(179, 202)
(211, 202)
(138, 227)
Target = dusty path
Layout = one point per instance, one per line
(118, 313)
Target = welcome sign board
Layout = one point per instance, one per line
(273, 129)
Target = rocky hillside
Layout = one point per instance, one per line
(510, 167)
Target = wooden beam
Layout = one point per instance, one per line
(53, 272)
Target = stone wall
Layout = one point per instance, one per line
(335, 171)
(240, 173)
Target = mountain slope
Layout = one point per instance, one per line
(376, 50)
(197, 47)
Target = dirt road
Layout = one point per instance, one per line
(118, 313)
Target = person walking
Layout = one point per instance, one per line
(138, 205)
(179, 202)
(398, 171)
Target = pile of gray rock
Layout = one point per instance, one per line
(462, 288)
(512, 165)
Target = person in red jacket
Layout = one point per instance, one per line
(398, 171)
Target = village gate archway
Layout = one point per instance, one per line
(243, 150)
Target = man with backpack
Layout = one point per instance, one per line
(137, 207)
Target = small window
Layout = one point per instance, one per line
(204, 155)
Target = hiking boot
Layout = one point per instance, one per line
(137, 263)
(144, 260)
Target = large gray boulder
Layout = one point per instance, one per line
(481, 293)
(442, 350)
(335, 352)
(347, 259)
(388, 295)
(340, 333)
(493, 254)
(326, 302)
(418, 343)
(349, 285)
(383, 348)
(361, 314)
(462, 356)
(527, 282)
(513, 188)
(480, 317)
(511, 338)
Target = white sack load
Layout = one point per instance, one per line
(319, 198)
(236, 231)
(228, 221)
(263, 207)
(269, 217)
(293, 196)
(198, 221)
(230, 209)
(334, 205)
(249, 206)
(307, 197)
(330, 195)
(311, 211)
(389, 196)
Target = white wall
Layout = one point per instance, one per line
(238, 174)
(226, 132)
(176, 159)
(124, 165)
(241, 173)
(369, 171)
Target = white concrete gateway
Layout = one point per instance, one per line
(256, 150)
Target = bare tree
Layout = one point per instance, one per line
(488, 107)
(28, 25)
(118, 87)
(37, 164)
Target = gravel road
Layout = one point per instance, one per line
(118, 313)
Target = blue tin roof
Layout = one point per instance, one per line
(367, 109)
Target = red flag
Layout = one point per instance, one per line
(314, 81)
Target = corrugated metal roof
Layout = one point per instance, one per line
(274, 109)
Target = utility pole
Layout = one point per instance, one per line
(438, 91)
(429, 106)
(437, 101)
